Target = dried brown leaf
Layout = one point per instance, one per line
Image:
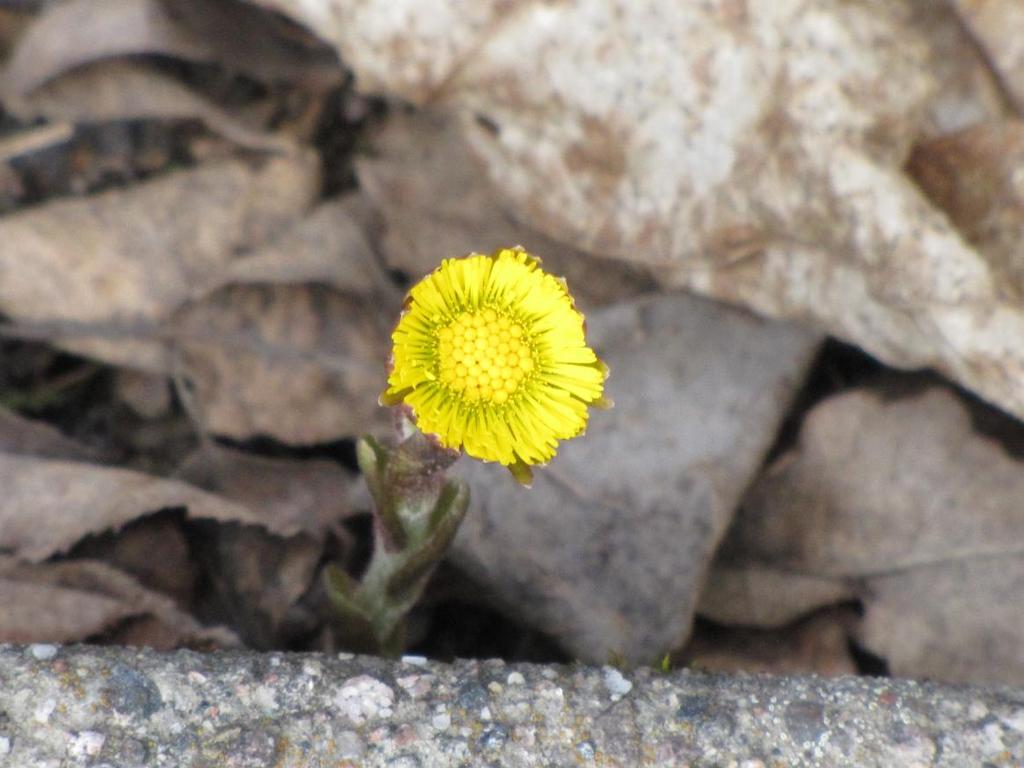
(132, 256)
(67, 615)
(288, 496)
(71, 34)
(957, 620)
(304, 364)
(880, 486)
(48, 504)
(274, 354)
(298, 362)
(328, 246)
(153, 550)
(78, 600)
(121, 90)
(902, 501)
(763, 596)
(68, 35)
(30, 437)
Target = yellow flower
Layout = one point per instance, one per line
(490, 355)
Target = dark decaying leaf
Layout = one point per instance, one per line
(257, 581)
(152, 549)
(818, 645)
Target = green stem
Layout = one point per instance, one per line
(416, 515)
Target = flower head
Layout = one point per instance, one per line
(490, 355)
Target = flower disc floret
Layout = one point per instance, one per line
(490, 354)
(481, 356)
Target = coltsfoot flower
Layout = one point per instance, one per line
(490, 355)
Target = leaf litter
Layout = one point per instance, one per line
(231, 299)
(901, 505)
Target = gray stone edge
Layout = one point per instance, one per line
(102, 707)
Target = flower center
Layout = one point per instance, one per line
(483, 356)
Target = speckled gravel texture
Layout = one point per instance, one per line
(104, 707)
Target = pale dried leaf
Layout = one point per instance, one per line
(977, 177)
(304, 364)
(134, 255)
(958, 620)
(50, 504)
(68, 35)
(754, 153)
(288, 496)
(120, 90)
(608, 551)
(997, 25)
(968, 93)
(148, 394)
(904, 502)
(37, 613)
(77, 600)
(449, 208)
(878, 486)
(763, 596)
(327, 246)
